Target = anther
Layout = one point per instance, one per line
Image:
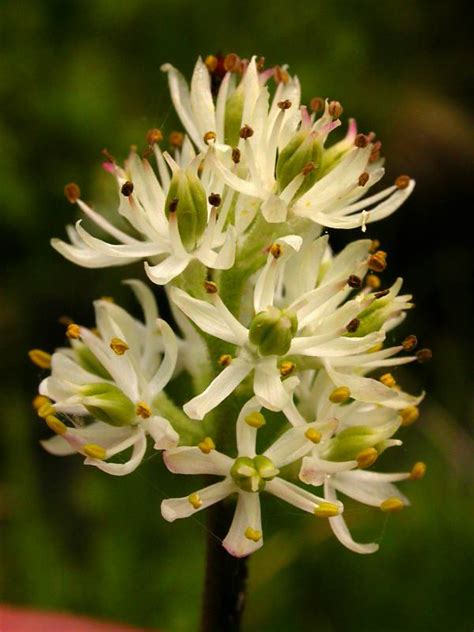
(173, 205)
(46, 410)
(210, 287)
(253, 534)
(143, 410)
(375, 348)
(284, 105)
(313, 435)
(335, 109)
(119, 346)
(316, 104)
(409, 343)
(363, 179)
(260, 63)
(73, 331)
(94, 451)
(206, 445)
(56, 425)
(308, 168)
(40, 358)
(326, 510)
(255, 420)
(392, 504)
(72, 192)
(195, 500)
(353, 325)
(378, 261)
(361, 141)
(367, 457)
(387, 379)
(354, 281)
(39, 401)
(154, 136)
(402, 182)
(382, 293)
(409, 415)
(276, 250)
(232, 62)
(424, 355)
(106, 153)
(107, 299)
(418, 471)
(373, 281)
(246, 132)
(236, 155)
(127, 188)
(211, 62)
(287, 367)
(374, 245)
(280, 75)
(339, 395)
(224, 360)
(176, 139)
(209, 137)
(215, 199)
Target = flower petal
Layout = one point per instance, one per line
(191, 460)
(247, 515)
(175, 508)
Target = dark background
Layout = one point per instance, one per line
(76, 77)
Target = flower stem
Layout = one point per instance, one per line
(226, 577)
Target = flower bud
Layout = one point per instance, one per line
(351, 442)
(187, 200)
(107, 403)
(233, 117)
(272, 331)
(303, 149)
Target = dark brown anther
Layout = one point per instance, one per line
(381, 294)
(260, 63)
(316, 104)
(284, 105)
(335, 109)
(232, 63)
(236, 155)
(353, 325)
(308, 168)
(378, 261)
(409, 343)
(354, 281)
(210, 287)
(246, 132)
(154, 136)
(173, 205)
(361, 141)
(72, 192)
(209, 137)
(127, 188)
(375, 155)
(402, 182)
(176, 139)
(214, 199)
(280, 75)
(363, 179)
(424, 355)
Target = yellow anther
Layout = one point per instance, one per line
(340, 395)
(94, 451)
(108, 299)
(206, 445)
(375, 348)
(40, 358)
(367, 457)
(326, 510)
(276, 250)
(45, 410)
(211, 62)
(281, 75)
(119, 346)
(224, 360)
(373, 281)
(195, 500)
(286, 368)
(176, 139)
(418, 471)
(255, 420)
(73, 331)
(143, 410)
(253, 534)
(56, 425)
(392, 504)
(313, 435)
(209, 137)
(378, 261)
(39, 401)
(374, 246)
(388, 380)
(409, 415)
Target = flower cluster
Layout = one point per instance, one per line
(275, 329)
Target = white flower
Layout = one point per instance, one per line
(115, 375)
(247, 476)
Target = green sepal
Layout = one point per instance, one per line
(108, 403)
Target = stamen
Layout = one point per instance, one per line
(106, 153)
(402, 182)
(313, 435)
(176, 139)
(409, 343)
(340, 395)
(143, 410)
(361, 141)
(109, 299)
(173, 205)
(367, 457)
(392, 504)
(284, 105)
(209, 137)
(127, 188)
(253, 534)
(46, 410)
(56, 425)
(210, 287)
(354, 281)
(94, 451)
(39, 401)
(326, 510)
(246, 132)
(119, 346)
(280, 75)
(335, 109)
(308, 168)
(378, 261)
(195, 500)
(363, 179)
(255, 420)
(424, 355)
(236, 155)
(211, 62)
(418, 471)
(382, 293)
(73, 331)
(232, 63)
(40, 358)
(154, 136)
(316, 104)
(225, 359)
(287, 367)
(276, 250)
(375, 155)
(374, 245)
(72, 192)
(215, 200)
(388, 380)
(373, 281)
(409, 415)
(353, 325)
(206, 445)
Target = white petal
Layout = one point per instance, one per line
(295, 495)
(314, 470)
(191, 460)
(175, 508)
(182, 103)
(201, 99)
(168, 363)
(268, 386)
(168, 269)
(291, 446)
(162, 433)
(58, 446)
(366, 487)
(247, 514)
(88, 258)
(121, 469)
(247, 435)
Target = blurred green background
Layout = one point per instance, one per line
(76, 77)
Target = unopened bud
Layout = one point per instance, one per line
(272, 331)
(187, 200)
(108, 403)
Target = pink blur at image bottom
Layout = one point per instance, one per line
(19, 620)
